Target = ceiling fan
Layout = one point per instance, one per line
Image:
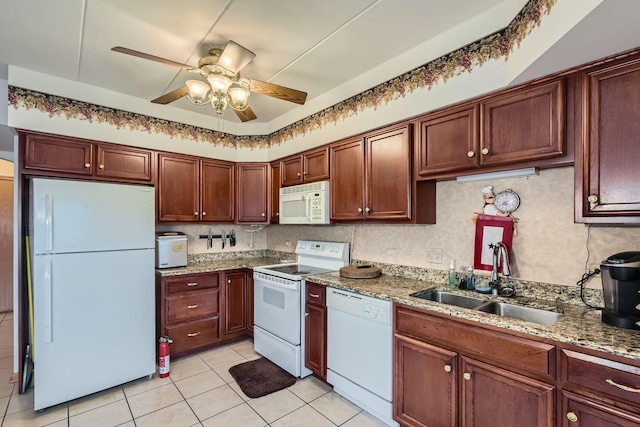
(223, 87)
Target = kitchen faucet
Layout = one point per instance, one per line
(500, 252)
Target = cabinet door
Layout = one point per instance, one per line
(275, 193)
(523, 125)
(291, 171)
(315, 165)
(424, 389)
(53, 154)
(388, 175)
(490, 394)
(315, 327)
(579, 411)
(236, 300)
(178, 188)
(253, 193)
(347, 180)
(607, 171)
(127, 164)
(217, 191)
(448, 141)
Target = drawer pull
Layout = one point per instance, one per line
(314, 295)
(193, 306)
(192, 284)
(193, 334)
(571, 416)
(447, 368)
(622, 387)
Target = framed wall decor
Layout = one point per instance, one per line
(491, 229)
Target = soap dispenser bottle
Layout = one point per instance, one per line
(452, 275)
(471, 280)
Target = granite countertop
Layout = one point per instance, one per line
(578, 325)
(208, 266)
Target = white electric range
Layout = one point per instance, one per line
(279, 292)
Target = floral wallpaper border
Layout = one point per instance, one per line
(495, 46)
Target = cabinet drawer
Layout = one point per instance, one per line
(191, 282)
(526, 354)
(601, 375)
(192, 335)
(192, 305)
(316, 293)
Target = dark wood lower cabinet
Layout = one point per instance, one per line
(238, 307)
(315, 327)
(584, 412)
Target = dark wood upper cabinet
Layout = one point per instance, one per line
(523, 125)
(253, 193)
(607, 170)
(347, 180)
(217, 183)
(62, 156)
(520, 127)
(449, 140)
(178, 188)
(310, 166)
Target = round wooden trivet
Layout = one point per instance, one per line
(353, 272)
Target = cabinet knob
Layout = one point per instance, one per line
(228, 280)
(298, 173)
(359, 210)
(195, 213)
(571, 416)
(485, 151)
(466, 376)
(447, 368)
(304, 173)
(470, 154)
(306, 315)
(204, 214)
(101, 166)
(263, 214)
(87, 165)
(367, 210)
(592, 198)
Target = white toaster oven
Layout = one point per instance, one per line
(171, 249)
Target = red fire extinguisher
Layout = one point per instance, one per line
(164, 357)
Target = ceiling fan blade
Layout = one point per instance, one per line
(235, 57)
(279, 92)
(143, 55)
(172, 96)
(246, 114)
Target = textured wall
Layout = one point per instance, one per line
(549, 247)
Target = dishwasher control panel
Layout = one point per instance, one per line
(372, 309)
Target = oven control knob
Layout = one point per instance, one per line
(302, 246)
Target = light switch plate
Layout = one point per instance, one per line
(434, 255)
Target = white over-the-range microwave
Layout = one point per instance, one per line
(305, 204)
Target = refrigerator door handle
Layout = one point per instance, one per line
(48, 222)
(47, 284)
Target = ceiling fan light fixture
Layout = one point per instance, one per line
(199, 92)
(219, 102)
(219, 82)
(239, 95)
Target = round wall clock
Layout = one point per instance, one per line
(507, 201)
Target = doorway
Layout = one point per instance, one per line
(6, 244)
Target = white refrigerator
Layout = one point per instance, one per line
(93, 287)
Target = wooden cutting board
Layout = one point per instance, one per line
(362, 272)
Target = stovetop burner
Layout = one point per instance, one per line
(296, 269)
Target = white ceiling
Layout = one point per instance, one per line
(326, 48)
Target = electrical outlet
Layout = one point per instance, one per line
(287, 243)
(434, 255)
(392, 252)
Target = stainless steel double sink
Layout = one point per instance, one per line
(513, 311)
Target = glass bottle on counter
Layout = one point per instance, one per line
(471, 280)
(452, 275)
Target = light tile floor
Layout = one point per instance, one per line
(199, 392)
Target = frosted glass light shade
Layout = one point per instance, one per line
(198, 92)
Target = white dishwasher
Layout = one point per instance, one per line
(359, 347)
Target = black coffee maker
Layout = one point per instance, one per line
(621, 286)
